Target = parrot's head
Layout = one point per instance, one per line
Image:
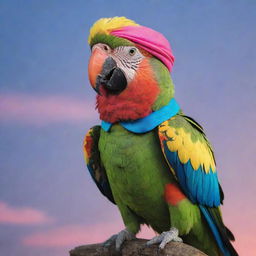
(129, 68)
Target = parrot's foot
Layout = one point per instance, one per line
(165, 238)
(119, 238)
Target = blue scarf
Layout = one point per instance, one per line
(149, 122)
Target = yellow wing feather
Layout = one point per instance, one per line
(180, 141)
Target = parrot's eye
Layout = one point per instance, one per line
(132, 51)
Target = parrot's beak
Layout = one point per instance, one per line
(103, 71)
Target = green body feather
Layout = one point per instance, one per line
(137, 173)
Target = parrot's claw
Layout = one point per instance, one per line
(110, 241)
(119, 238)
(165, 238)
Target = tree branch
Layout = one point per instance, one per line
(137, 247)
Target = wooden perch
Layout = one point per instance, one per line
(137, 247)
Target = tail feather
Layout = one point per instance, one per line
(230, 234)
(222, 235)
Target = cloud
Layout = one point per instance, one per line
(74, 235)
(71, 235)
(44, 109)
(22, 215)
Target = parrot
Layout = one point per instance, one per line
(147, 157)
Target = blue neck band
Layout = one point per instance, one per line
(149, 122)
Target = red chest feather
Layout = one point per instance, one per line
(135, 101)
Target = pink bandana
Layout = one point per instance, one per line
(149, 40)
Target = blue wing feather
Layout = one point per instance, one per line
(200, 186)
(215, 231)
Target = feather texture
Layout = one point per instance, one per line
(106, 25)
(190, 156)
(94, 164)
(191, 160)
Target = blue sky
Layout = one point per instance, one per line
(43, 62)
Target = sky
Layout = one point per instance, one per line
(48, 202)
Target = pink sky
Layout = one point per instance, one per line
(243, 225)
(73, 235)
(68, 236)
(22, 215)
(44, 109)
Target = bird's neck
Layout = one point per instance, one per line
(129, 105)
